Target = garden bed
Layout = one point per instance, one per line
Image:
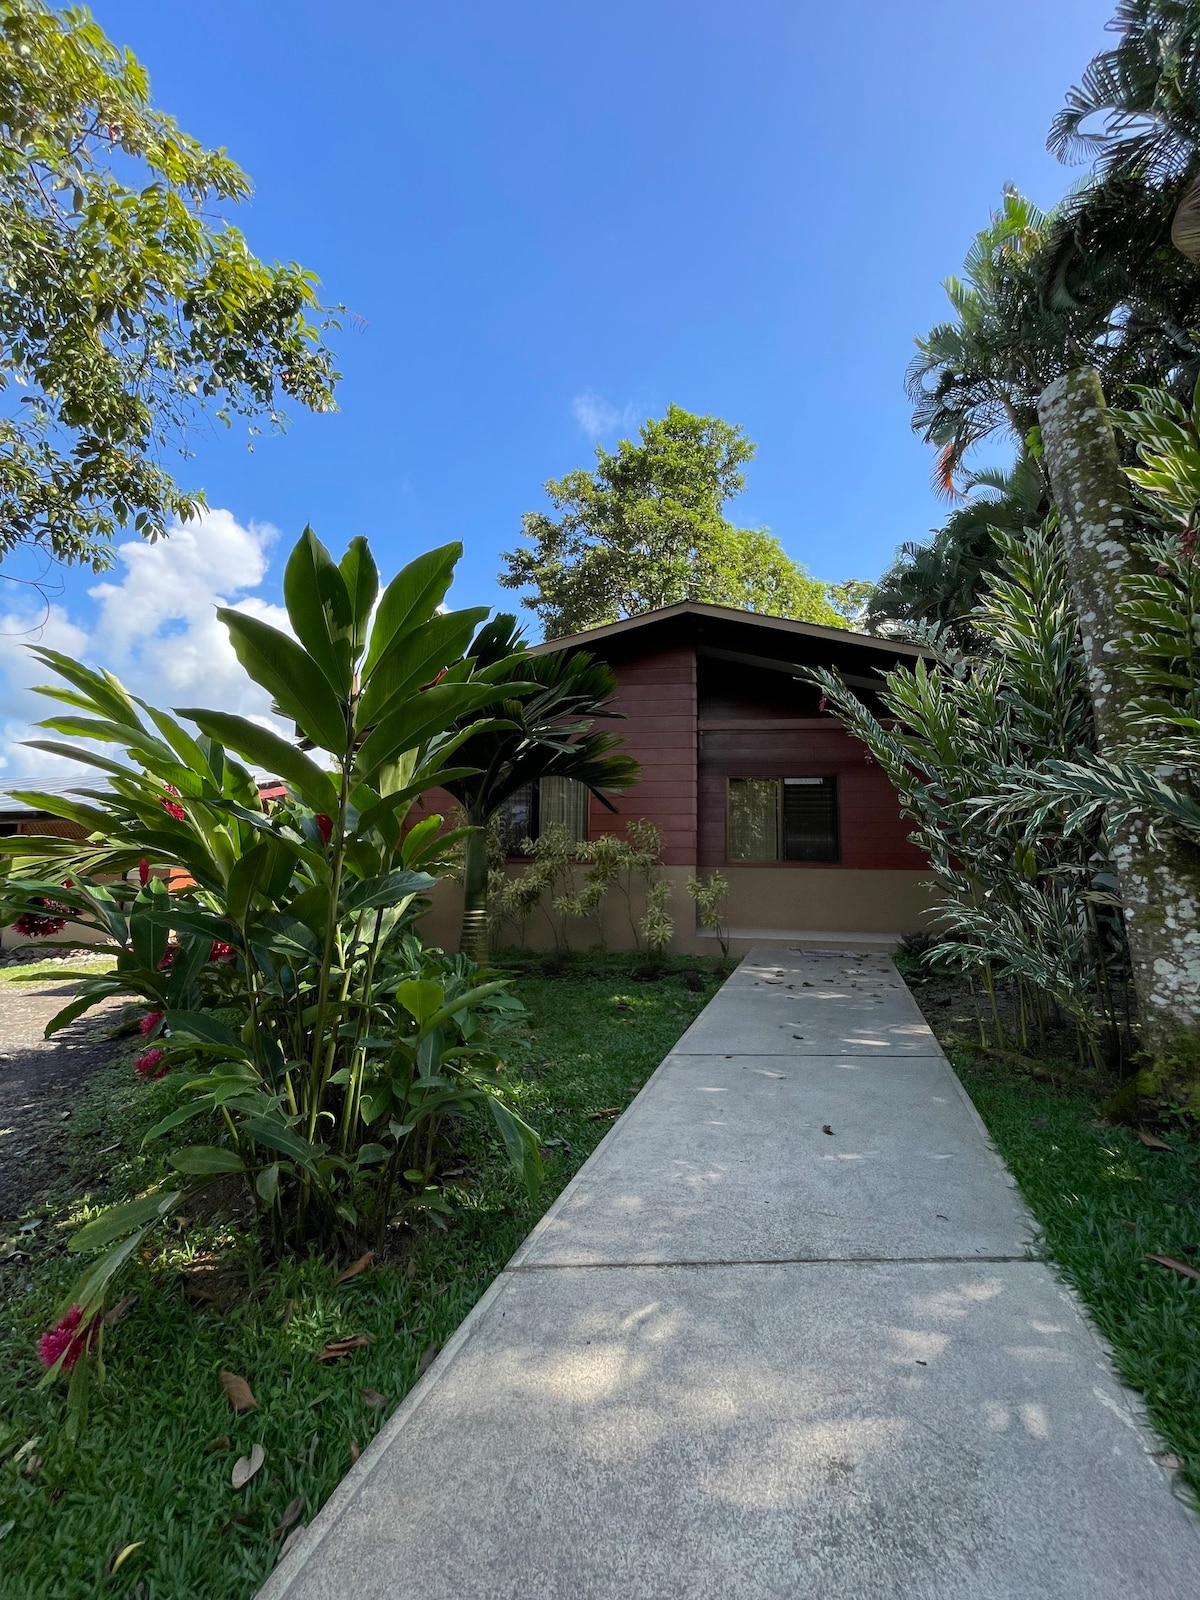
(152, 1468)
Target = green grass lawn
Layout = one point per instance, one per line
(153, 1466)
(1105, 1203)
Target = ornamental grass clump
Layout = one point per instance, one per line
(318, 1045)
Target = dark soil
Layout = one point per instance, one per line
(40, 1079)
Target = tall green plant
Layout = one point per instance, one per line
(282, 971)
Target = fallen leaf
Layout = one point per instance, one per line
(289, 1311)
(1176, 1266)
(1152, 1141)
(245, 1467)
(608, 1111)
(361, 1265)
(337, 1348)
(238, 1392)
(797, 1036)
(429, 1356)
(1168, 1460)
(921, 1363)
(373, 1398)
(292, 1539)
(124, 1555)
(223, 1443)
(942, 1217)
(355, 1452)
(826, 1129)
(290, 1514)
(121, 1309)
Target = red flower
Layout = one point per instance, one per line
(146, 1063)
(324, 825)
(67, 1339)
(168, 957)
(221, 951)
(169, 805)
(41, 924)
(143, 872)
(149, 1022)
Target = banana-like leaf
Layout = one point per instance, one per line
(411, 598)
(290, 675)
(319, 609)
(361, 577)
(384, 891)
(206, 1161)
(267, 750)
(117, 1221)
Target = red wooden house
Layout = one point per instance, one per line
(741, 770)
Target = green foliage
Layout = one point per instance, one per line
(710, 894)
(324, 1046)
(126, 303)
(647, 529)
(1018, 901)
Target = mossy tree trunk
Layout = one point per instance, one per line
(1159, 874)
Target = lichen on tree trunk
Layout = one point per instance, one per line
(1159, 874)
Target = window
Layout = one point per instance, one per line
(783, 819)
(537, 806)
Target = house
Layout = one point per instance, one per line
(742, 770)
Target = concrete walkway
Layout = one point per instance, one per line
(784, 1335)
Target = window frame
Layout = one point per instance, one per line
(535, 812)
(829, 779)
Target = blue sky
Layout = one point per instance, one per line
(551, 220)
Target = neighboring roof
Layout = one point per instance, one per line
(700, 609)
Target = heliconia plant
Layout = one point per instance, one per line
(270, 943)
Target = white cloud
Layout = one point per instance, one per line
(155, 627)
(597, 416)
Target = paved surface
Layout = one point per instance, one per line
(784, 1335)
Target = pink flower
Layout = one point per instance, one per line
(143, 872)
(146, 1063)
(324, 825)
(170, 806)
(67, 1339)
(822, 703)
(149, 1022)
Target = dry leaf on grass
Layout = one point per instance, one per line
(1153, 1142)
(123, 1555)
(361, 1265)
(373, 1398)
(292, 1539)
(121, 1309)
(289, 1311)
(428, 1357)
(238, 1392)
(337, 1348)
(245, 1467)
(608, 1111)
(355, 1452)
(1168, 1460)
(1181, 1267)
(291, 1513)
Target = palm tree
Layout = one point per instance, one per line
(941, 582)
(540, 732)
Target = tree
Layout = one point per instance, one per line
(647, 529)
(941, 583)
(1159, 871)
(125, 303)
(543, 729)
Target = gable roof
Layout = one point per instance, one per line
(702, 610)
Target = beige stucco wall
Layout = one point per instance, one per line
(806, 903)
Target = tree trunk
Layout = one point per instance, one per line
(473, 938)
(1159, 877)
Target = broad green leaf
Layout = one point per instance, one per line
(411, 598)
(276, 1135)
(521, 1143)
(419, 719)
(275, 755)
(362, 585)
(319, 609)
(206, 1160)
(290, 675)
(267, 1183)
(207, 1029)
(421, 998)
(414, 660)
(117, 1221)
(384, 891)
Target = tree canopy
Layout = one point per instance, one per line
(647, 528)
(126, 302)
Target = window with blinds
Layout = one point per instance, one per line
(783, 819)
(535, 807)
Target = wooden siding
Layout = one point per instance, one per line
(656, 695)
(872, 831)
